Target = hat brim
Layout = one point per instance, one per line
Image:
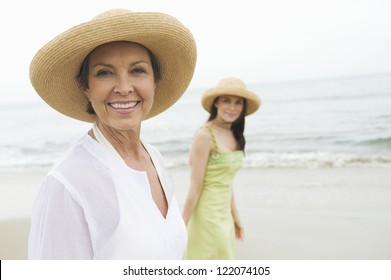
(252, 100)
(54, 68)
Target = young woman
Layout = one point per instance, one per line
(216, 155)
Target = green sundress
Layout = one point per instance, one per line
(211, 230)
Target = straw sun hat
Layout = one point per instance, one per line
(54, 68)
(231, 86)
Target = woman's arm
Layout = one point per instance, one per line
(239, 231)
(58, 226)
(198, 159)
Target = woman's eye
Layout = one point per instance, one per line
(139, 70)
(103, 73)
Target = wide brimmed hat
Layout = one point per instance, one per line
(54, 68)
(231, 86)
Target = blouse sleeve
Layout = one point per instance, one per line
(58, 226)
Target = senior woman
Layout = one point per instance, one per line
(110, 196)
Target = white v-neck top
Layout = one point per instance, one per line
(92, 205)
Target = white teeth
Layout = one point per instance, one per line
(123, 105)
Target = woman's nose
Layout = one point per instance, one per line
(232, 106)
(124, 86)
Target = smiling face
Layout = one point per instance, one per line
(121, 84)
(229, 107)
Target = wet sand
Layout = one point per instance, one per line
(288, 214)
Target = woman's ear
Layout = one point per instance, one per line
(215, 102)
(87, 93)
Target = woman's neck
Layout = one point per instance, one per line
(126, 143)
(220, 125)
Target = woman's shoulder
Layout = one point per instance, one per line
(151, 148)
(203, 133)
(202, 138)
(83, 155)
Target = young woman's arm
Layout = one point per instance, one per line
(239, 231)
(198, 159)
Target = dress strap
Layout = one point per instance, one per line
(215, 146)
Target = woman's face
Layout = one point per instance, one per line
(229, 107)
(121, 84)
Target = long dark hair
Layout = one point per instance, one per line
(237, 126)
(82, 77)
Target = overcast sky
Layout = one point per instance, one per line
(258, 41)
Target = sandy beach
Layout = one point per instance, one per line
(288, 214)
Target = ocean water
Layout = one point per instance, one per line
(316, 123)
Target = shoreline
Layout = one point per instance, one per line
(287, 213)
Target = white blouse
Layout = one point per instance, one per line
(92, 205)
